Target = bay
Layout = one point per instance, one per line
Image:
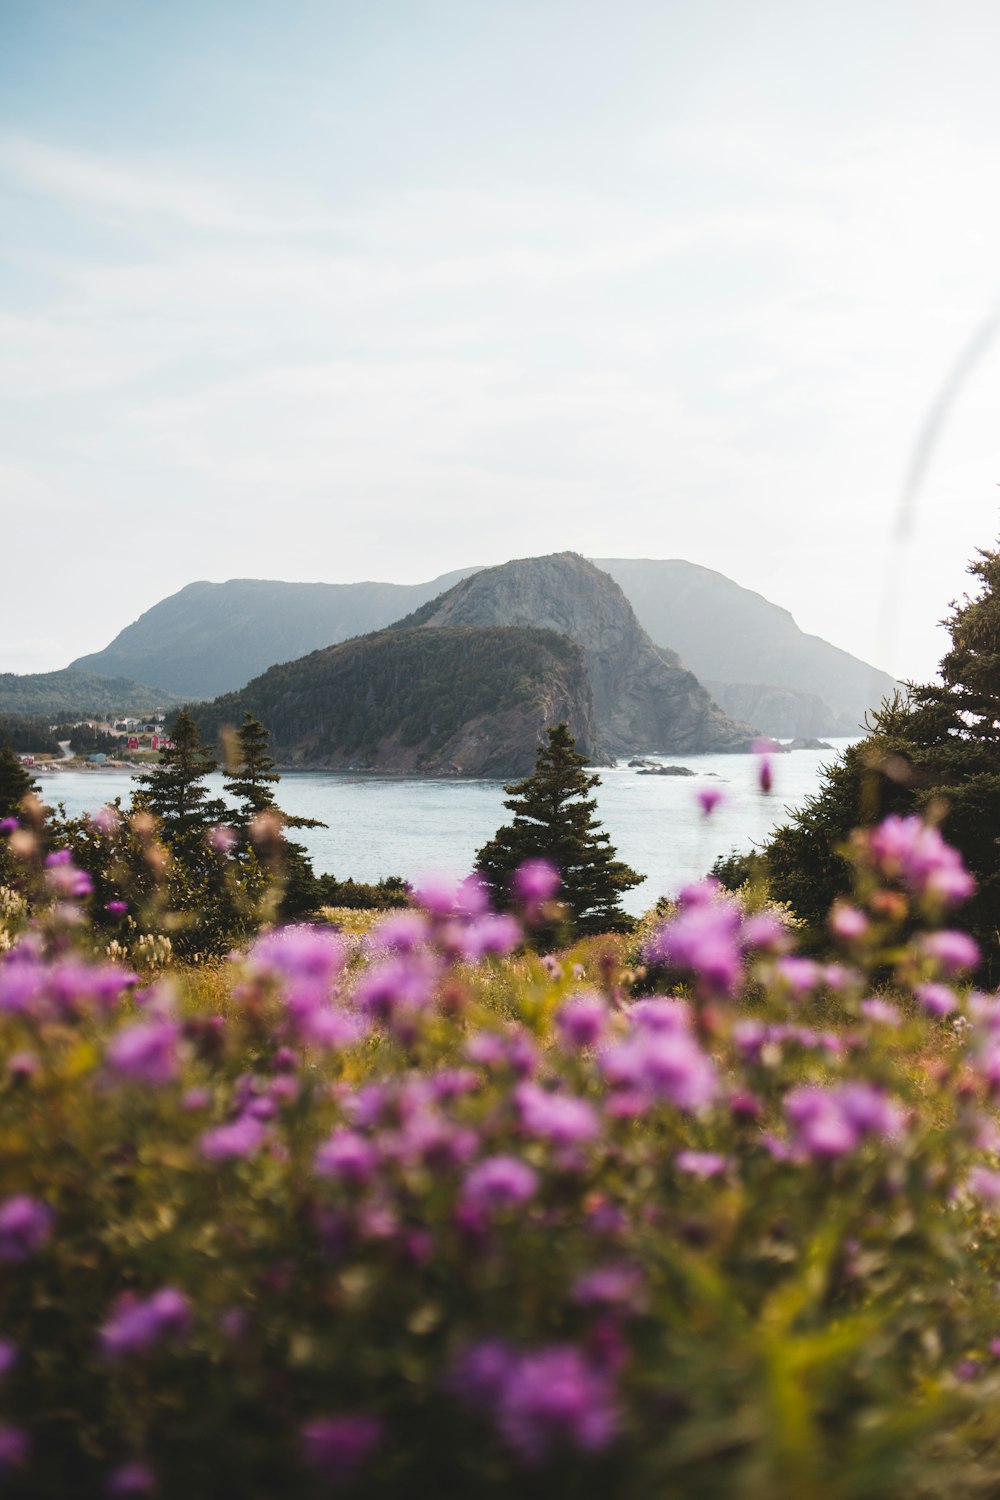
(408, 826)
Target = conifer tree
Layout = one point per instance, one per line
(15, 782)
(174, 791)
(251, 780)
(936, 750)
(554, 819)
(252, 775)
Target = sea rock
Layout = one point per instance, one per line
(666, 771)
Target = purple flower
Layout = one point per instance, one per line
(915, 854)
(106, 820)
(701, 1163)
(764, 749)
(221, 839)
(499, 1182)
(305, 961)
(493, 935)
(116, 908)
(709, 798)
(25, 1225)
(870, 1110)
(398, 992)
(883, 1011)
(134, 1478)
(765, 931)
(554, 1399)
(847, 922)
(661, 1013)
(337, 1447)
(535, 882)
(347, 1156)
(832, 1122)
(403, 930)
(240, 1138)
(801, 975)
(609, 1286)
(820, 1126)
(936, 999)
(480, 1371)
(582, 1019)
(703, 938)
(984, 1184)
(145, 1052)
(23, 988)
(662, 1065)
(334, 1030)
(7, 825)
(63, 878)
(138, 1324)
(951, 951)
(561, 1118)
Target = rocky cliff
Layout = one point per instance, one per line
(729, 634)
(644, 697)
(786, 713)
(451, 702)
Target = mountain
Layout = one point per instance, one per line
(212, 637)
(457, 701)
(644, 697)
(70, 694)
(731, 637)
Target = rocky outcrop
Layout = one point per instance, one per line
(645, 699)
(729, 634)
(781, 711)
(451, 702)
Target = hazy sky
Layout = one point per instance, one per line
(341, 289)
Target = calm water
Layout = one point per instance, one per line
(402, 826)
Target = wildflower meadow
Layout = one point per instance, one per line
(415, 1210)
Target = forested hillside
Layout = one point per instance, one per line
(461, 701)
(69, 693)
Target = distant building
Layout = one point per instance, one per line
(97, 760)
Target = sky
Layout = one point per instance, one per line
(321, 290)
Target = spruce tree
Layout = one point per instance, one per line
(174, 791)
(251, 776)
(554, 819)
(938, 749)
(15, 782)
(251, 779)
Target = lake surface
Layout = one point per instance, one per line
(395, 825)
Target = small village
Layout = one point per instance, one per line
(119, 744)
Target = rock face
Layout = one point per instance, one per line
(781, 711)
(452, 702)
(645, 699)
(729, 634)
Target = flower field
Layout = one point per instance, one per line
(414, 1211)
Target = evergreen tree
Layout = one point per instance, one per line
(252, 775)
(554, 820)
(15, 782)
(251, 780)
(174, 791)
(937, 750)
